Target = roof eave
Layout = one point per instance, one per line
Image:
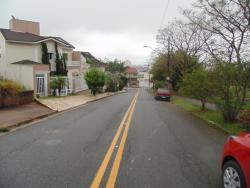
(37, 42)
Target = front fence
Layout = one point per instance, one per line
(79, 84)
(65, 89)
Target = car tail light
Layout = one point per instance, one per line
(231, 137)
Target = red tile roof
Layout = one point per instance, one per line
(130, 70)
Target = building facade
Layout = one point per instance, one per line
(21, 56)
(131, 74)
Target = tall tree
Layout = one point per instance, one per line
(58, 61)
(183, 36)
(228, 23)
(64, 66)
(115, 66)
(198, 84)
(45, 54)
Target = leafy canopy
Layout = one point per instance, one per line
(95, 80)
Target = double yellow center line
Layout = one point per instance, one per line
(126, 121)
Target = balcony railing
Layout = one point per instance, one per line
(73, 63)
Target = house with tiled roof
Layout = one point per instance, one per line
(131, 74)
(21, 56)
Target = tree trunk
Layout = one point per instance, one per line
(203, 105)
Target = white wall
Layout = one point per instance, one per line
(17, 52)
(2, 57)
(144, 79)
(22, 74)
(61, 50)
(13, 52)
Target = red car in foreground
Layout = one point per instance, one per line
(162, 94)
(236, 162)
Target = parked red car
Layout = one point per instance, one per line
(236, 162)
(162, 94)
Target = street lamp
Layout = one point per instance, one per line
(168, 61)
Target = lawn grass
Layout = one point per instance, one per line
(4, 130)
(212, 117)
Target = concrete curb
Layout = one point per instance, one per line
(88, 102)
(209, 123)
(21, 124)
(212, 124)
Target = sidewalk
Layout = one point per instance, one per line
(15, 116)
(64, 103)
(209, 106)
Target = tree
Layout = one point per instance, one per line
(45, 54)
(228, 23)
(115, 80)
(115, 66)
(198, 85)
(180, 64)
(184, 37)
(58, 61)
(123, 80)
(112, 82)
(53, 86)
(228, 80)
(58, 83)
(64, 66)
(159, 69)
(95, 80)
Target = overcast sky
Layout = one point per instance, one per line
(106, 28)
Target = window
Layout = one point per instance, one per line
(51, 56)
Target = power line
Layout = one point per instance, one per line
(164, 14)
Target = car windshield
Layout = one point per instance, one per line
(163, 90)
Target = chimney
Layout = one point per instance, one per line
(24, 26)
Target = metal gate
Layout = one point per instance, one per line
(79, 84)
(41, 85)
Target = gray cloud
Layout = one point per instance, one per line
(107, 28)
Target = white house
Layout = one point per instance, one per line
(21, 56)
(144, 76)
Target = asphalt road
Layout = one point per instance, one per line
(165, 147)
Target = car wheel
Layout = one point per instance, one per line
(232, 176)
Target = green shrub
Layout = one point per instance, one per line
(198, 85)
(4, 130)
(95, 80)
(58, 82)
(229, 89)
(122, 82)
(112, 82)
(10, 87)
